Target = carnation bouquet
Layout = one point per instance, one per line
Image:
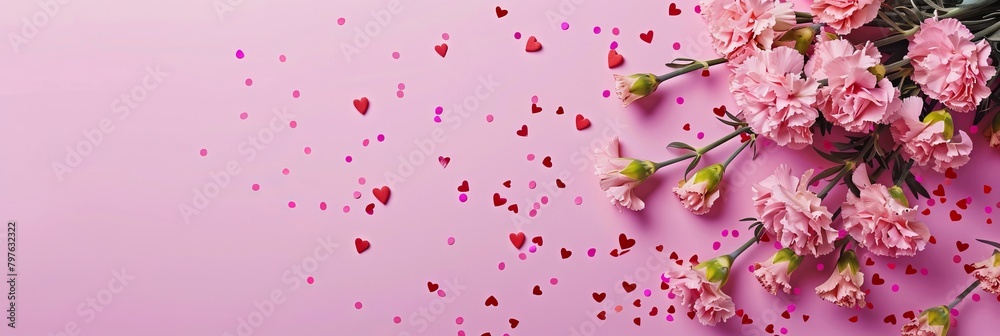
(881, 80)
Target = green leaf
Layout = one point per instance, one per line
(852, 187)
(825, 173)
(681, 145)
(845, 145)
(987, 242)
(681, 62)
(829, 157)
(748, 219)
(729, 123)
(692, 166)
(916, 188)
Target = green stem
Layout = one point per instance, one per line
(963, 295)
(723, 140)
(746, 245)
(986, 32)
(896, 65)
(691, 67)
(904, 172)
(675, 160)
(826, 190)
(735, 154)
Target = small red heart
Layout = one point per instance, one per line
(444, 161)
(909, 315)
(671, 310)
(614, 59)
(674, 256)
(687, 127)
(705, 73)
(987, 189)
(537, 290)
(547, 162)
(464, 187)
(501, 12)
(853, 319)
(492, 301)
(769, 328)
(560, 110)
(441, 49)
(694, 260)
(512, 208)
(739, 312)
(805, 318)
(969, 268)
(514, 323)
(926, 212)
(370, 209)
(506, 183)
(746, 318)
(719, 111)
(565, 253)
(614, 253)
(517, 239)
(955, 216)
(933, 240)
(537, 240)
(961, 246)
(890, 319)
(665, 286)
(535, 108)
(523, 131)
(532, 45)
(581, 122)
(939, 192)
(599, 297)
(786, 315)
(498, 201)
(560, 184)
(625, 242)
(646, 37)
(910, 270)
(382, 194)
(674, 11)
(629, 287)
(361, 245)
(659, 248)
(432, 287)
(602, 315)
(950, 173)
(877, 280)
(361, 105)
(870, 262)
(652, 312)
(637, 321)
(963, 203)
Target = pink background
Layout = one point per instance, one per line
(116, 209)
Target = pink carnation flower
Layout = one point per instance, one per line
(619, 176)
(929, 141)
(704, 297)
(793, 214)
(773, 273)
(988, 273)
(881, 223)
(932, 322)
(948, 66)
(845, 15)
(776, 101)
(853, 98)
(741, 27)
(844, 285)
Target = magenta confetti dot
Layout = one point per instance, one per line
(532, 249)
(697, 9)
(954, 312)
(784, 330)
(534, 99)
(451, 240)
(441, 293)
(362, 181)
(461, 333)
(973, 129)
(647, 293)
(255, 187)
(348, 159)
(564, 26)
(615, 31)
(677, 46)
(239, 53)
(545, 200)
(701, 135)
(365, 142)
(725, 233)
(531, 184)
(397, 320)
(295, 94)
(597, 29)
(291, 204)
(578, 200)
(736, 233)
(930, 202)
(531, 157)
(463, 198)
(357, 305)
(820, 267)
(293, 124)
(517, 35)
(395, 55)
(282, 58)
(357, 194)
(606, 93)
(244, 116)
(924, 271)
(347, 208)
(988, 209)
(501, 266)
(664, 278)
(957, 259)
(670, 318)
(438, 110)
(248, 81)
(536, 205)
(680, 100)
(554, 281)
(445, 36)
(716, 245)
(341, 21)
(380, 137)
(310, 280)
(459, 320)
(285, 171)
(307, 150)
(591, 252)
(400, 94)
(796, 291)
(895, 288)
(489, 118)
(777, 245)
(751, 268)
(401, 86)
(671, 295)
(614, 45)
(790, 308)
(437, 119)
(203, 152)
(975, 297)
(522, 256)
(322, 206)
(532, 213)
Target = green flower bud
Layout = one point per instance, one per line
(639, 170)
(711, 174)
(941, 116)
(939, 316)
(717, 270)
(848, 259)
(787, 255)
(799, 38)
(897, 194)
(878, 70)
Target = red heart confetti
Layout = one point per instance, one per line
(501, 12)
(361, 245)
(361, 105)
(647, 36)
(382, 194)
(517, 239)
(581, 122)
(442, 49)
(614, 59)
(532, 45)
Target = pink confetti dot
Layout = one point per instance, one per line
(532, 249)
(614, 45)
(790, 308)
(400, 94)
(597, 29)
(357, 305)
(291, 204)
(797, 291)
(615, 31)
(680, 100)
(701, 135)
(522, 256)
(565, 26)
(532, 213)
(716, 245)
(531, 184)
(531, 157)
(536, 205)
(437, 119)
(451, 240)
(285, 171)
(501, 266)
(489, 118)
(295, 94)
(591, 252)
(401, 86)
(380, 137)
(255, 187)
(397, 320)
(293, 124)
(307, 150)
(362, 181)
(517, 35)
(606, 93)
(309, 280)
(677, 46)
(973, 129)
(365, 142)
(895, 288)
(445, 36)
(578, 200)
(459, 320)
(784, 330)
(988, 209)
(239, 54)
(725, 233)
(736, 233)
(555, 281)
(924, 271)
(975, 297)
(348, 159)
(777, 245)
(751, 268)
(322, 206)
(248, 81)
(957, 259)
(341, 21)
(461, 333)
(357, 194)
(534, 99)
(545, 200)
(347, 208)
(203, 152)
(244, 116)
(395, 55)
(282, 58)
(820, 267)
(463, 198)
